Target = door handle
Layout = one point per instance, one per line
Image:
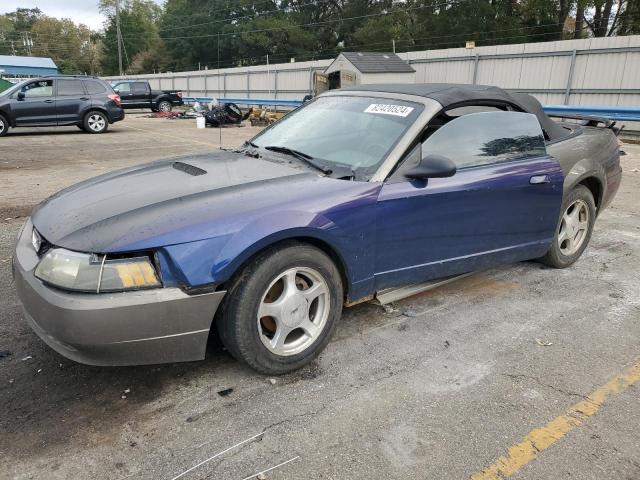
(84, 98)
(539, 179)
(48, 101)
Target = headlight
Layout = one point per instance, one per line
(95, 273)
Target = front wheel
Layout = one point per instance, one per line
(578, 215)
(95, 122)
(282, 308)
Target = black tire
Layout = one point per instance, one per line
(164, 106)
(4, 126)
(237, 321)
(555, 256)
(95, 121)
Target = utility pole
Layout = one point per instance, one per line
(218, 35)
(27, 42)
(393, 42)
(119, 36)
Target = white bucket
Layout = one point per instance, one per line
(200, 122)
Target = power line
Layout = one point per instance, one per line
(301, 54)
(288, 9)
(312, 24)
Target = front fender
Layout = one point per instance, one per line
(215, 260)
(271, 229)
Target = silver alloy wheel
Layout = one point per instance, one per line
(164, 107)
(293, 311)
(96, 122)
(573, 227)
(2, 125)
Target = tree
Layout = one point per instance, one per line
(139, 30)
(72, 47)
(629, 18)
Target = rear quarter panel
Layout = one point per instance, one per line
(592, 153)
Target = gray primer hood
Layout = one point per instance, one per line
(114, 211)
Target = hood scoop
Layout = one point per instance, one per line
(188, 169)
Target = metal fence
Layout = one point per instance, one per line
(587, 72)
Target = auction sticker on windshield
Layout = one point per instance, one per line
(397, 110)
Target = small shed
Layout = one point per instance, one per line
(358, 68)
(15, 66)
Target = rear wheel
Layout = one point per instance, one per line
(4, 126)
(574, 230)
(282, 308)
(164, 106)
(95, 122)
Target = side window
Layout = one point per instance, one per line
(484, 138)
(123, 87)
(466, 110)
(93, 87)
(70, 87)
(139, 87)
(41, 88)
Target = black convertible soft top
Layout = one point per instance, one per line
(452, 94)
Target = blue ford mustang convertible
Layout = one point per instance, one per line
(362, 193)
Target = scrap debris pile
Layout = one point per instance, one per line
(215, 114)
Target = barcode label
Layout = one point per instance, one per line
(397, 110)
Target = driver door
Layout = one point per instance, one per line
(126, 94)
(501, 205)
(35, 104)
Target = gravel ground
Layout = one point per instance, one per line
(438, 387)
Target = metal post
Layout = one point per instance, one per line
(475, 69)
(248, 84)
(224, 85)
(275, 83)
(206, 91)
(567, 92)
(310, 80)
(188, 87)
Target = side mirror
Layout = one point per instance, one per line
(432, 166)
(21, 95)
(116, 90)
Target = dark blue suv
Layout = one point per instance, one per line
(88, 102)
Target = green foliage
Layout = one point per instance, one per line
(139, 29)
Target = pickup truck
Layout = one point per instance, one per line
(139, 94)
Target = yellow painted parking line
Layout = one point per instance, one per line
(540, 439)
(190, 140)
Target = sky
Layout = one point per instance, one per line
(80, 11)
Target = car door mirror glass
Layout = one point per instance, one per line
(432, 166)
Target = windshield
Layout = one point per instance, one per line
(356, 132)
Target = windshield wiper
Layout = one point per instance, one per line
(308, 159)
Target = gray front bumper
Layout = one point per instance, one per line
(131, 328)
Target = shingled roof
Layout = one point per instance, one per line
(376, 62)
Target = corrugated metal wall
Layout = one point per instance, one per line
(596, 71)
